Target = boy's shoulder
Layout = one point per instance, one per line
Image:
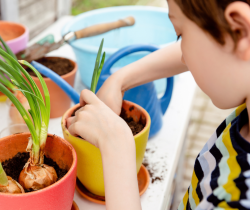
(222, 169)
(225, 127)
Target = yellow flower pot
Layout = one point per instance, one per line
(3, 97)
(89, 165)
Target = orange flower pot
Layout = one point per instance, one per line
(89, 168)
(16, 35)
(58, 196)
(60, 102)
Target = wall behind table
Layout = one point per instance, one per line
(37, 15)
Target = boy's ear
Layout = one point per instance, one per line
(237, 15)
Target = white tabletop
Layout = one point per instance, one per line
(163, 150)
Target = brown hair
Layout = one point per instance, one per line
(209, 15)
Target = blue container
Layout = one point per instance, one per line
(143, 95)
(152, 27)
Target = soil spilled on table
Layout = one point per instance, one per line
(136, 127)
(156, 173)
(61, 66)
(14, 166)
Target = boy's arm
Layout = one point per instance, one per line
(165, 62)
(120, 175)
(99, 125)
(162, 63)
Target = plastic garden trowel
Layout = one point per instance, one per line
(39, 50)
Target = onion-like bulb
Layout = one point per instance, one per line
(37, 177)
(15, 116)
(13, 187)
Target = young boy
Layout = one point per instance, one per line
(215, 48)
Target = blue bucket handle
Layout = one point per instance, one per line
(165, 100)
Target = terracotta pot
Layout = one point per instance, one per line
(89, 167)
(60, 102)
(58, 196)
(16, 35)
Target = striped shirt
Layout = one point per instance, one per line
(221, 177)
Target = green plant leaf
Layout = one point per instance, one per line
(97, 68)
(6, 82)
(7, 48)
(45, 91)
(100, 67)
(22, 111)
(3, 177)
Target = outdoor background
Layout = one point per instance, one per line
(39, 14)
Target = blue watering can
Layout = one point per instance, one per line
(144, 95)
(70, 91)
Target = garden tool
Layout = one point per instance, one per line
(41, 48)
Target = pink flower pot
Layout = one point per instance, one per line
(58, 196)
(16, 35)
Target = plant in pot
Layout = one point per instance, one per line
(7, 84)
(65, 68)
(60, 102)
(48, 157)
(15, 116)
(90, 170)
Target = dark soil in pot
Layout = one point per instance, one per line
(14, 166)
(136, 127)
(61, 66)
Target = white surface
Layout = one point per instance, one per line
(163, 150)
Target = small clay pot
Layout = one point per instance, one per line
(59, 100)
(89, 167)
(15, 35)
(57, 196)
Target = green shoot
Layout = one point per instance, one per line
(98, 68)
(8, 50)
(37, 118)
(6, 82)
(3, 177)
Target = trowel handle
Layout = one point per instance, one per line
(104, 27)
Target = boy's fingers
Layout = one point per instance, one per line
(69, 121)
(87, 97)
(74, 129)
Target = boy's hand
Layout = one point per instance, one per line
(111, 94)
(97, 123)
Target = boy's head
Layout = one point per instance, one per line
(216, 46)
(210, 16)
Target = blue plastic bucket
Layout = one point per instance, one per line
(152, 27)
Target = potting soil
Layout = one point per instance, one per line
(136, 127)
(14, 166)
(61, 66)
